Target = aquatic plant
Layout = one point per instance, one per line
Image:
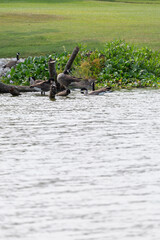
(119, 65)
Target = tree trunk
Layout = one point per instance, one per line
(4, 88)
(52, 69)
(53, 74)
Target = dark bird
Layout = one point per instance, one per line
(14, 91)
(64, 93)
(33, 81)
(65, 79)
(52, 92)
(12, 63)
(44, 86)
(88, 84)
(100, 91)
(72, 82)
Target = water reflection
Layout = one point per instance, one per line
(81, 167)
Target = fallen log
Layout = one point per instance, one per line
(14, 91)
(5, 88)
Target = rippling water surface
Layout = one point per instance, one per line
(80, 167)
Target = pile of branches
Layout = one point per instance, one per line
(15, 90)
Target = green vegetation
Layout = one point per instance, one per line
(133, 1)
(118, 65)
(38, 27)
(46, 28)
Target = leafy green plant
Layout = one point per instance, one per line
(118, 65)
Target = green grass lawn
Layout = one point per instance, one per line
(37, 27)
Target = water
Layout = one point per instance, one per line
(80, 167)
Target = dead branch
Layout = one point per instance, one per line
(71, 59)
(5, 88)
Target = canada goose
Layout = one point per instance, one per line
(33, 81)
(100, 91)
(14, 91)
(12, 63)
(44, 86)
(64, 93)
(88, 84)
(65, 80)
(72, 82)
(53, 91)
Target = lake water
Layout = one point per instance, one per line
(80, 167)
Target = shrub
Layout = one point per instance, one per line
(118, 65)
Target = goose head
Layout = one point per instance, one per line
(68, 91)
(84, 91)
(31, 80)
(50, 80)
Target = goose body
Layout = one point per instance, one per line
(72, 82)
(64, 93)
(88, 84)
(43, 86)
(12, 63)
(65, 80)
(100, 91)
(32, 81)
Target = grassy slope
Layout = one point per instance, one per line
(65, 1)
(133, 1)
(34, 27)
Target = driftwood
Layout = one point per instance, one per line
(71, 59)
(14, 91)
(5, 88)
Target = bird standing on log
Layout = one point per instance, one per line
(72, 82)
(33, 81)
(88, 84)
(65, 79)
(44, 86)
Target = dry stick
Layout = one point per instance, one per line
(71, 59)
(5, 88)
